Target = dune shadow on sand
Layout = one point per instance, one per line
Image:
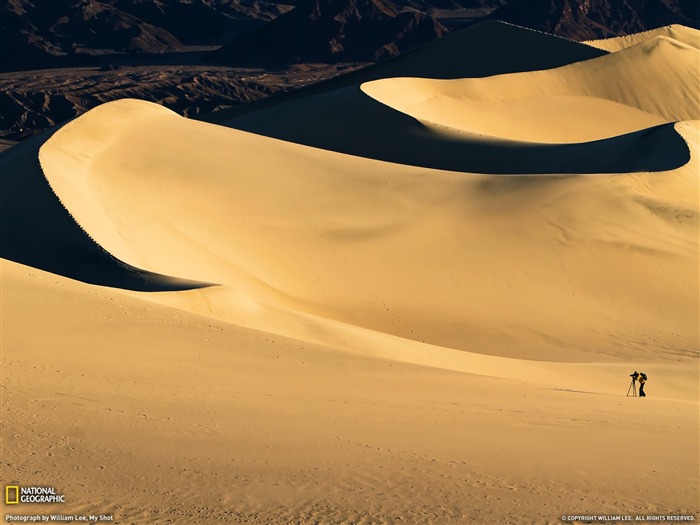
(348, 121)
(37, 231)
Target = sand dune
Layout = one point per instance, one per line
(632, 77)
(43, 235)
(415, 341)
(687, 35)
(462, 124)
(351, 122)
(579, 98)
(537, 118)
(149, 186)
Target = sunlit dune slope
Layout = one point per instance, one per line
(606, 96)
(535, 266)
(687, 35)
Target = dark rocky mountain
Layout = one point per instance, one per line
(334, 31)
(37, 34)
(212, 22)
(591, 19)
(373, 30)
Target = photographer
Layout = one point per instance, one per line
(642, 380)
(640, 377)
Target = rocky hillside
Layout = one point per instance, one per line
(37, 34)
(591, 19)
(334, 31)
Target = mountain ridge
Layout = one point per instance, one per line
(200, 57)
(333, 31)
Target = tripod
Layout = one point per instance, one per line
(632, 388)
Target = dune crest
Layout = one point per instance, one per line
(687, 35)
(84, 139)
(45, 235)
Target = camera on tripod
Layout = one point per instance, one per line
(633, 387)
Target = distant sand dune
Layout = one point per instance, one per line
(687, 35)
(569, 104)
(478, 124)
(554, 119)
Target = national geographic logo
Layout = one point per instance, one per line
(14, 495)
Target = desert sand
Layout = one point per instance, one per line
(410, 300)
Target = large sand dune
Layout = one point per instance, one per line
(206, 325)
(149, 186)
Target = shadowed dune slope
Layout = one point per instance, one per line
(351, 122)
(533, 266)
(488, 48)
(36, 230)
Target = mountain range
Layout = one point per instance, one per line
(200, 56)
(61, 33)
(594, 19)
(332, 31)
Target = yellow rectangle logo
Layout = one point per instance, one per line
(9, 499)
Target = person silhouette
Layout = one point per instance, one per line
(642, 380)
